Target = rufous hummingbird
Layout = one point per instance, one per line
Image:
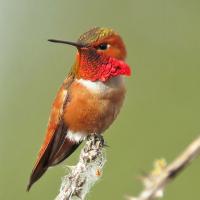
(89, 99)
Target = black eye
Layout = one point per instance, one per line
(103, 46)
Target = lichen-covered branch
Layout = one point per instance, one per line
(87, 171)
(155, 182)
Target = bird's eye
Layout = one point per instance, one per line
(103, 46)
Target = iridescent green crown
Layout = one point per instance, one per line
(95, 34)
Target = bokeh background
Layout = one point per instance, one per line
(161, 114)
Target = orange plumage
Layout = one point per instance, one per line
(89, 99)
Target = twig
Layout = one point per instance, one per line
(87, 171)
(156, 181)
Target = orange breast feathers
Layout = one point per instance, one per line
(92, 112)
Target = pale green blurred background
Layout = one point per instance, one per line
(161, 114)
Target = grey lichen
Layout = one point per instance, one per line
(87, 171)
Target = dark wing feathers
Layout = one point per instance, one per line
(56, 146)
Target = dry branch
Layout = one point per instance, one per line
(87, 171)
(155, 183)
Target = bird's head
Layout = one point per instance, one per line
(100, 56)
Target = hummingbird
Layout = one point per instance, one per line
(88, 100)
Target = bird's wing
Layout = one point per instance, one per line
(56, 146)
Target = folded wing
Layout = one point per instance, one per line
(56, 146)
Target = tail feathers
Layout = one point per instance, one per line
(39, 169)
(34, 177)
(53, 155)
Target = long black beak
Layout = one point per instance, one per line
(67, 42)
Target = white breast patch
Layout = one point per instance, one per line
(95, 86)
(75, 136)
(99, 86)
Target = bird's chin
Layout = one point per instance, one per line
(123, 69)
(116, 72)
